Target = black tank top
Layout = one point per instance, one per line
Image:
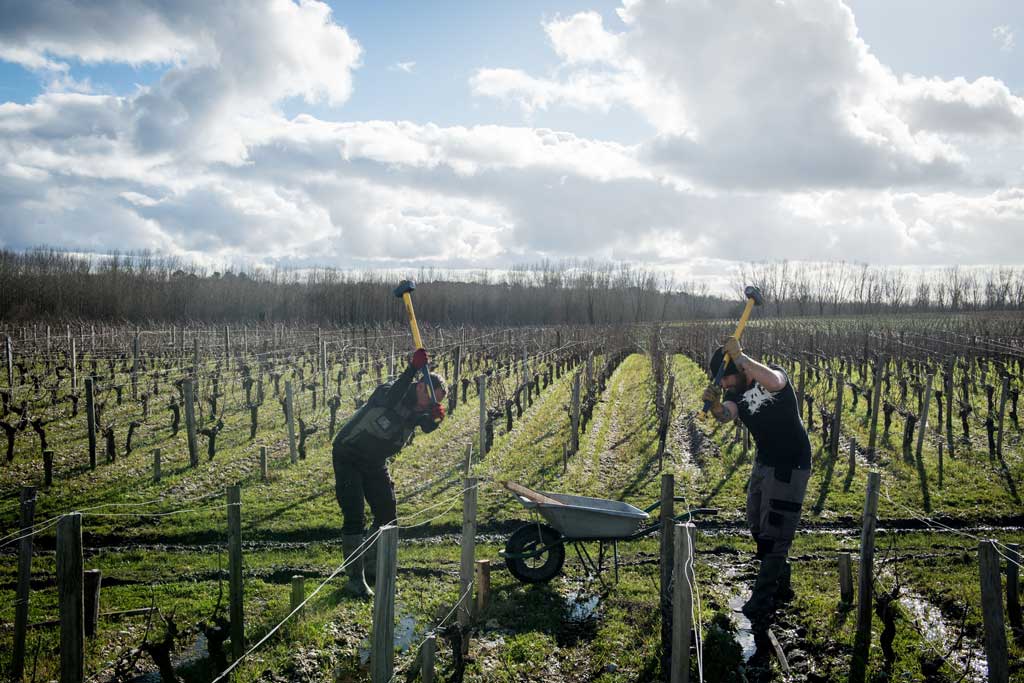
(773, 419)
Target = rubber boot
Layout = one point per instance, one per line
(356, 585)
(784, 592)
(761, 605)
(370, 561)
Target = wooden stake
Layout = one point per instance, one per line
(427, 656)
(845, 579)
(235, 570)
(70, 598)
(684, 576)
(28, 508)
(263, 463)
(1004, 394)
(382, 653)
(298, 592)
(992, 613)
(1013, 559)
(48, 468)
(876, 402)
(574, 438)
(923, 420)
(93, 580)
(865, 593)
(483, 585)
(289, 408)
(666, 513)
(90, 416)
(190, 423)
(481, 389)
(468, 556)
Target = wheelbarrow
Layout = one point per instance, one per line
(535, 552)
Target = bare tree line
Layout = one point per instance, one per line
(52, 284)
(841, 288)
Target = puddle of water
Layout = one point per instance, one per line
(406, 631)
(933, 625)
(744, 635)
(581, 607)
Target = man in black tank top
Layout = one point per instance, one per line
(763, 399)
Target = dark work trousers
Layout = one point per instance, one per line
(774, 501)
(358, 476)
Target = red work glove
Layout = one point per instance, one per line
(419, 359)
(438, 412)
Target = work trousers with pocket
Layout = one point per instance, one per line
(774, 501)
(359, 477)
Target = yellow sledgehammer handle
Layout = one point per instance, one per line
(743, 323)
(407, 298)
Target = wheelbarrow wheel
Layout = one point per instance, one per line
(542, 567)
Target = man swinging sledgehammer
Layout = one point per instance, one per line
(375, 433)
(763, 399)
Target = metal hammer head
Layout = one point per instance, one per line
(750, 292)
(403, 287)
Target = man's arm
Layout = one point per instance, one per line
(723, 411)
(726, 411)
(401, 385)
(771, 380)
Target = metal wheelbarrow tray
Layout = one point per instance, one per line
(581, 517)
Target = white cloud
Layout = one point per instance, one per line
(767, 147)
(407, 67)
(764, 95)
(1003, 35)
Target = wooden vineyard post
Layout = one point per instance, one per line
(1003, 395)
(453, 395)
(382, 653)
(800, 387)
(9, 357)
(865, 592)
(90, 416)
(227, 346)
(190, 422)
(923, 422)
(427, 656)
(666, 420)
(948, 393)
(298, 591)
(1013, 558)
(289, 409)
(876, 401)
(74, 368)
(468, 458)
(70, 598)
(482, 575)
(837, 418)
(574, 412)
(28, 508)
(684, 577)
(135, 366)
(666, 513)
(845, 579)
(324, 372)
(93, 579)
(853, 457)
(992, 613)
(468, 556)
(156, 465)
(235, 570)
(47, 468)
(481, 390)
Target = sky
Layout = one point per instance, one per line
(684, 136)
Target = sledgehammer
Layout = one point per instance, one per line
(754, 298)
(404, 292)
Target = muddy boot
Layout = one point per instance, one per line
(761, 605)
(784, 593)
(370, 561)
(356, 586)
